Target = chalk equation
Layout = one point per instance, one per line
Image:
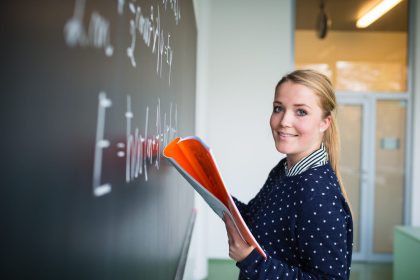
(150, 30)
(174, 6)
(140, 150)
(145, 24)
(97, 35)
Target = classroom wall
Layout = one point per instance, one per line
(415, 195)
(244, 48)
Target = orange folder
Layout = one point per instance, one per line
(194, 160)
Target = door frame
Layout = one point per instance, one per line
(368, 102)
(364, 175)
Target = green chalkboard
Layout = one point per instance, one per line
(91, 91)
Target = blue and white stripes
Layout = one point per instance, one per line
(315, 159)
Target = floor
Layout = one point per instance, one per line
(226, 270)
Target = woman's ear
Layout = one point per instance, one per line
(325, 123)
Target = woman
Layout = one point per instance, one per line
(301, 216)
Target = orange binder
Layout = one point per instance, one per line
(194, 160)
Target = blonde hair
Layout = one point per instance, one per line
(322, 87)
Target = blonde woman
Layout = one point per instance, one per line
(301, 216)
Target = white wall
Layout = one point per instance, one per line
(245, 46)
(415, 195)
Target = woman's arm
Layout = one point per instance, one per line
(238, 248)
(242, 207)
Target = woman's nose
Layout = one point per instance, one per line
(286, 119)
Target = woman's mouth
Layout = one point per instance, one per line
(285, 135)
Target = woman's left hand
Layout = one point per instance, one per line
(238, 248)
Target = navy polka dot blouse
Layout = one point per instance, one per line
(304, 225)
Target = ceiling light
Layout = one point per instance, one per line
(376, 12)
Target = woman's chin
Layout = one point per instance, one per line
(281, 149)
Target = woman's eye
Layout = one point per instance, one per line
(277, 109)
(301, 112)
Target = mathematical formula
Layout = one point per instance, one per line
(96, 35)
(144, 23)
(141, 151)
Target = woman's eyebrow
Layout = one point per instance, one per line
(302, 105)
(294, 105)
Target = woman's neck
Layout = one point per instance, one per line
(292, 159)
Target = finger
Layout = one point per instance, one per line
(229, 235)
(227, 224)
(231, 229)
(228, 220)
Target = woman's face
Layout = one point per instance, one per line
(297, 121)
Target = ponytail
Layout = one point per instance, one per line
(331, 141)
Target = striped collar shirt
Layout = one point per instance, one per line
(315, 159)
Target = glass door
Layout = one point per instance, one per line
(352, 122)
(390, 172)
(372, 163)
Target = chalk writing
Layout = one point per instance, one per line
(140, 151)
(150, 30)
(174, 6)
(99, 33)
(74, 31)
(100, 144)
(145, 150)
(147, 25)
(97, 36)
(121, 6)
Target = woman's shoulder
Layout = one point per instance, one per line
(319, 174)
(278, 169)
(317, 182)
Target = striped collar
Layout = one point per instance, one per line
(315, 159)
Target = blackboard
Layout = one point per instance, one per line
(91, 91)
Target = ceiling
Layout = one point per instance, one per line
(344, 13)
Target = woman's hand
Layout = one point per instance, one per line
(238, 248)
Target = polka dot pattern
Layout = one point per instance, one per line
(304, 225)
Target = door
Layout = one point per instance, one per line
(372, 163)
(353, 123)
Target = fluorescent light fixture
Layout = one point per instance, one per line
(376, 12)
